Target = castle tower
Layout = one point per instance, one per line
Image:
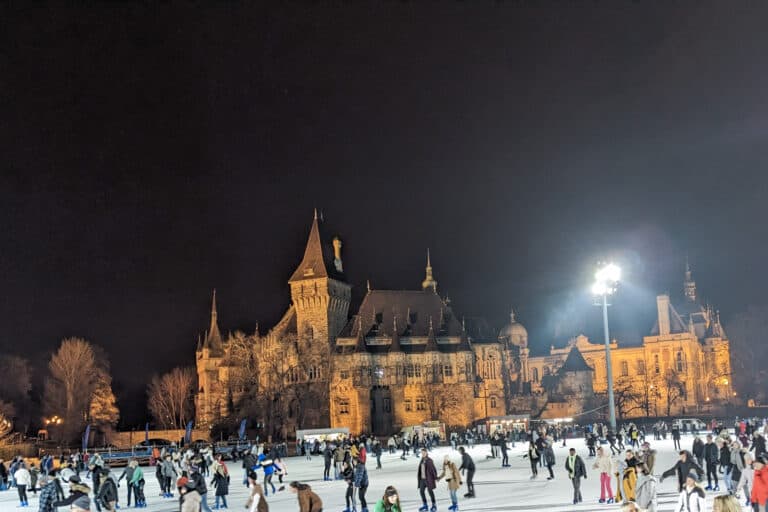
(689, 285)
(429, 281)
(209, 399)
(319, 290)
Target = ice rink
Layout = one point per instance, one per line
(497, 488)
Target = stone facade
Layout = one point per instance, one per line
(405, 357)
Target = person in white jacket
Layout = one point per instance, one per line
(604, 464)
(692, 497)
(23, 480)
(747, 477)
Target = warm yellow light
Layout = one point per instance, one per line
(725, 382)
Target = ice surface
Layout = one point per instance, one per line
(497, 489)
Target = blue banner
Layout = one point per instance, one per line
(241, 432)
(146, 433)
(188, 433)
(86, 436)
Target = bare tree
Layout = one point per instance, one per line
(627, 396)
(171, 397)
(73, 378)
(674, 389)
(14, 392)
(445, 402)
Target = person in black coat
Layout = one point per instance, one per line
(698, 450)
(468, 465)
(427, 480)
(576, 471)
(683, 468)
(711, 458)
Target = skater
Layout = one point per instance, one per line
(189, 498)
(759, 494)
(390, 502)
(361, 482)
(502, 445)
(698, 451)
(646, 493)
(22, 478)
(107, 495)
(725, 463)
(468, 466)
(726, 503)
(256, 500)
(308, 500)
(137, 483)
(348, 474)
(453, 479)
(682, 467)
(77, 491)
(168, 472)
(221, 483)
(692, 498)
(576, 470)
(327, 460)
(377, 449)
(711, 458)
(268, 465)
(629, 476)
(648, 456)
(48, 494)
(676, 436)
(612, 441)
(426, 477)
(198, 480)
(604, 464)
(533, 456)
(549, 459)
(128, 475)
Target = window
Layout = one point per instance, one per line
(535, 375)
(387, 405)
(292, 376)
(343, 406)
(656, 365)
(344, 374)
(421, 404)
(624, 369)
(447, 370)
(412, 370)
(314, 373)
(408, 405)
(679, 361)
(640, 367)
(493, 402)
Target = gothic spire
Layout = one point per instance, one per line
(429, 280)
(213, 336)
(689, 285)
(321, 256)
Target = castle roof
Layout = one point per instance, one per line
(575, 362)
(213, 340)
(319, 260)
(399, 314)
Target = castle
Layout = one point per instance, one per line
(405, 357)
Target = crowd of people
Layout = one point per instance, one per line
(625, 464)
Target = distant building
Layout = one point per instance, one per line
(405, 357)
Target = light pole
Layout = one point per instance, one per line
(606, 280)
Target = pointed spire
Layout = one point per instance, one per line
(512, 316)
(689, 285)
(429, 280)
(315, 214)
(368, 285)
(213, 335)
(319, 258)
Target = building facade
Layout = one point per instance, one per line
(405, 356)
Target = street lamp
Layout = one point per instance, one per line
(606, 281)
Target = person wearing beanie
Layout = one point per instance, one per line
(759, 495)
(692, 498)
(682, 468)
(107, 494)
(77, 490)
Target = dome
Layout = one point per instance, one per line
(515, 332)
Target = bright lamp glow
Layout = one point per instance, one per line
(606, 279)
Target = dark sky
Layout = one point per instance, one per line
(149, 155)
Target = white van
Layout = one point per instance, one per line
(689, 425)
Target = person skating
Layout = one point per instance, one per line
(390, 502)
(676, 436)
(256, 500)
(629, 476)
(549, 459)
(168, 472)
(467, 467)
(604, 464)
(726, 503)
(221, 483)
(698, 451)
(77, 490)
(48, 494)
(189, 498)
(327, 461)
(360, 481)
(308, 500)
(759, 494)
(452, 477)
(533, 457)
(426, 475)
(646, 493)
(198, 480)
(711, 458)
(692, 498)
(23, 479)
(648, 456)
(576, 471)
(683, 467)
(268, 465)
(128, 475)
(502, 444)
(137, 483)
(107, 495)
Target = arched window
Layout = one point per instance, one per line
(535, 375)
(656, 365)
(679, 361)
(493, 402)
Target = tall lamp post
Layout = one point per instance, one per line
(606, 281)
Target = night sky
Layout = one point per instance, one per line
(149, 155)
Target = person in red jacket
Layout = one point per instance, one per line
(759, 495)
